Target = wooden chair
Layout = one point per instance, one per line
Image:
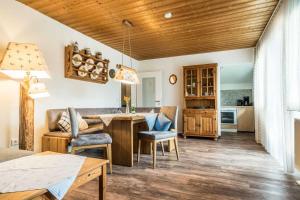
(88, 141)
(155, 137)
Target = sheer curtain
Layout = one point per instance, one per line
(277, 83)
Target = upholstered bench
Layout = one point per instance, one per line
(58, 141)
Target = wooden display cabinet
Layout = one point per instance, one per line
(200, 93)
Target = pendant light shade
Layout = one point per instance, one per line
(127, 75)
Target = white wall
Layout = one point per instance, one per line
(173, 94)
(9, 113)
(237, 77)
(19, 23)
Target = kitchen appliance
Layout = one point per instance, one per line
(246, 100)
(229, 119)
(228, 116)
(239, 102)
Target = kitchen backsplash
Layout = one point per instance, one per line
(229, 97)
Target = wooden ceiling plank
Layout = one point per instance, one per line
(259, 23)
(185, 17)
(217, 19)
(197, 26)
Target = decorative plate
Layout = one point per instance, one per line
(83, 68)
(89, 63)
(112, 73)
(94, 75)
(99, 70)
(76, 60)
(99, 66)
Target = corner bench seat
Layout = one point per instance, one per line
(58, 141)
(95, 128)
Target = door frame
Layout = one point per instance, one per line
(158, 87)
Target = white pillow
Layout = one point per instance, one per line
(82, 124)
(64, 123)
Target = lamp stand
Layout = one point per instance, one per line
(26, 113)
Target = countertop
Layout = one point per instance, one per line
(236, 106)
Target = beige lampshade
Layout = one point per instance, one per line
(126, 75)
(22, 59)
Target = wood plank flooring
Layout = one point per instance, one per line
(234, 167)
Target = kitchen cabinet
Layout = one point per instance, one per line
(245, 119)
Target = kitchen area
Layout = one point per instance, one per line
(237, 112)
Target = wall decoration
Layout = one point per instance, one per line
(172, 79)
(112, 73)
(82, 65)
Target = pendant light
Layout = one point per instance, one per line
(124, 74)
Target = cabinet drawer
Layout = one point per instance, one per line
(86, 177)
(198, 111)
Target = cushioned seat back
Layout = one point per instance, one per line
(147, 109)
(172, 113)
(53, 117)
(55, 114)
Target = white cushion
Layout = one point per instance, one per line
(64, 123)
(81, 123)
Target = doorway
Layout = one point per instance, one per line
(149, 91)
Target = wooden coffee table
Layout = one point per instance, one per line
(91, 169)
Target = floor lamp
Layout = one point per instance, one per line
(25, 62)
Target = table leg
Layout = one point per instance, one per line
(102, 184)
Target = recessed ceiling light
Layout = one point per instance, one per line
(168, 15)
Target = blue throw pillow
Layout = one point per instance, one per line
(162, 123)
(150, 119)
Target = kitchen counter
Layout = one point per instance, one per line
(236, 107)
(244, 118)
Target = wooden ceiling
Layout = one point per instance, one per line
(197, 26)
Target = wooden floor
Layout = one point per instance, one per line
(234, 167)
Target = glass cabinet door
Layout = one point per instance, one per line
(207, 82)
(191, 83)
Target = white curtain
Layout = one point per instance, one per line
(277, 83)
